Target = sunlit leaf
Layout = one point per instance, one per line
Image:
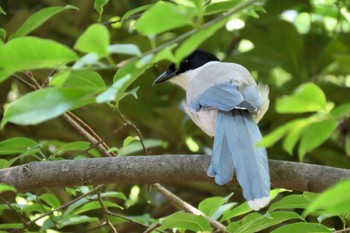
(16, 145)
(50, 199)
(40, 17)
(186, 221)
(72, 146)
(291, 202)
(82, 79)
(217, 7)
(162, 17)
(307, 98)
(302, 227)
(332, 201)
(41, 105)
(135, 11)
(75, 220)
(2, 11)
(5, 188)
(342, 110)
(14, 58)
(314, 135)
(256, 222)
(278, 133)
(98, 5)
(95, 39)
(2, 34)
(93, 205)
(129, 49)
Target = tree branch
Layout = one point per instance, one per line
(153, 169)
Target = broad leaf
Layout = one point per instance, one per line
(307, 98)
(16, 145)
(94, 40)
(291, 202)
(332, 201)
(95, 205)
(72, 146)
(217, 7)
(186, 221)
(14, 58)
(98, 5)
(2, 11)
(302, 227)
(82, 79)
(50, 199)
(44, 104)
(314, 135)
(75, 220)
(6, 188)
(40, 17)
(162, 17)
(256, 222)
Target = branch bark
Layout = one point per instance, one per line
(157, 169)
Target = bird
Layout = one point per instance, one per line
(224, 100)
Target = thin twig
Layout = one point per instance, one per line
(88, 129)
(20, 79)
(30, 75)
(103, 139)
(152, 228)
(345, 230)
(186, 206)
(129, 123)
(21, 217)
(105, 212)
(64, 205)
(88, 136)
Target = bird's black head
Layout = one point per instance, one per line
(196, 59)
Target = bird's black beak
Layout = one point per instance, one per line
(165, 76)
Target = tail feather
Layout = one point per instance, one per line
(236, 135)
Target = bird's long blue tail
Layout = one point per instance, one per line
(235, 150)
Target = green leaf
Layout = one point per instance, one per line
(16, 145)
(40, 17)
(302, 227)
(11, 226)
(2, 11)
(186, 221)
(161, 17)
(237, 211)
(50, 199)
(94, 40)
(217, 7)
(341, 111)
(6, 188)
(44, 104)
(294, 135)
(134, 147)
(14, 58)
(278, 133)
(123, 78)
(79, 79)
(291, 202)
(331, 201)
(75, 220)
(129, 49)
(93, 205)
(256, 222)
(307, 98)
(314, 135)
(2, 34)
(135, 11)
(210, 205)
(98, 5)
(198, 38)
(72, 146)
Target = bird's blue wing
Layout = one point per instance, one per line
(226, 96)
(236, 136)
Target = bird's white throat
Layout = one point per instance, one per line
(185, 78)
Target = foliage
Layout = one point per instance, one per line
(57, 58)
